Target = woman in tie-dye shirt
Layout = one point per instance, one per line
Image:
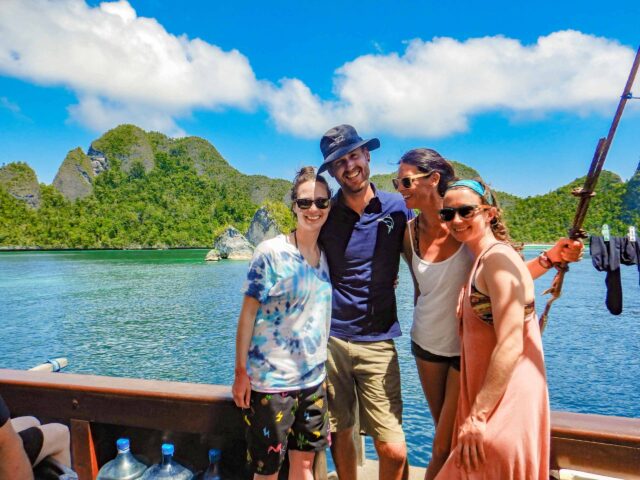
(281, 344)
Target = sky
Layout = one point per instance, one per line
(520, 91)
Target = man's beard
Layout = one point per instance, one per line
(355, 189)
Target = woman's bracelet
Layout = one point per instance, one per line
(544, 261)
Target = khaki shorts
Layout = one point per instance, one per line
(370, 373)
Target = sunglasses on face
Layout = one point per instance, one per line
(407, 181)
(305, 203)
(465, 211)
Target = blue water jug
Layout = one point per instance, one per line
(168, 468)
(213, 470)
(124, 467)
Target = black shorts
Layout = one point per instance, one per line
(277, 422)
(32, 439)
(422, 354)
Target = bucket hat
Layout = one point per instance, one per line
(339, 141)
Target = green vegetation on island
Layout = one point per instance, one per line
(182, 196)
(137, 189)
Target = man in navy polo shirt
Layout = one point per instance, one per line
(362, 240)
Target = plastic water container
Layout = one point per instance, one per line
(124, 467)
(213, 470)
(168, 468)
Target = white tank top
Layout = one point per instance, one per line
(435, 322)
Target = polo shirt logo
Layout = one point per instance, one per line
(388, 221)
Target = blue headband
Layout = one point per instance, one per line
(473, 185)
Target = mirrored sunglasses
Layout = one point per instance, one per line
(305, 203)
(407, 181)
(465, 211)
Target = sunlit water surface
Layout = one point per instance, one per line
(169, 315)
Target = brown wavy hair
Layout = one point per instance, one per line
(427, 160)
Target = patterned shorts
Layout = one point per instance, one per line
(277, 422)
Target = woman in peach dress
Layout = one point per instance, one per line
(502, 421)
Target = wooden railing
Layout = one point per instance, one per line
(197, 417)
(600, 444)
(100, 409)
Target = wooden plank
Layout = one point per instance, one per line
(599, 428)
(121, 386)
(596, 443)
(601, 458)
(190, 408)
(83, 451)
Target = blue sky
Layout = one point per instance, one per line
(519, 91)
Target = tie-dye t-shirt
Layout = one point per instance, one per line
(289, 343)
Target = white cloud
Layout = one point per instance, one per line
(435, 87)
(120, 65)
(125, 68)
(101, 114)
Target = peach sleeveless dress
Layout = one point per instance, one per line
(517, 437)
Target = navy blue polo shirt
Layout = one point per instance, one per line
(364, 256)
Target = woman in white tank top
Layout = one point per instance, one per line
(440, 265)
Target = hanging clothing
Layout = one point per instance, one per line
(517, 435)
(607, 256)
(630, 252)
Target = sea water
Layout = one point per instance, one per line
(169, 315)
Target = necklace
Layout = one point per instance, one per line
(314, 254)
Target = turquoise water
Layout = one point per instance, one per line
(169, 315)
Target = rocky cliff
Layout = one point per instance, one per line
(262, 227)
(233, 245)
(75, 176)
(127, 144)
(21, 182)
(99, 162)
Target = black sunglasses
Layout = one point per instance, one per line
(305, 203)
(407, 181)
(466, 211)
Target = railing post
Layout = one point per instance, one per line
(83, 450)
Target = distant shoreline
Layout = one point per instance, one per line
(97, 249)
(529, 246)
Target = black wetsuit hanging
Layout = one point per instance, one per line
(607, 256)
